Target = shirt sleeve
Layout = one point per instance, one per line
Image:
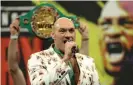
(39, 73)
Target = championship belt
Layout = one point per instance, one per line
(40, 20)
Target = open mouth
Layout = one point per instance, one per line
(115, 52)
(114, 48)
(67, 40)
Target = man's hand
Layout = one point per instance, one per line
(14, 27)
(68, 50)
(83, 30)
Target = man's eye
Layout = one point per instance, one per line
(62, 30)
(124, 21)
(71, 30)
(106, 22)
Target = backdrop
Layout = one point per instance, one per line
(89, 11)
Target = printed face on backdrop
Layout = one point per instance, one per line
(116, 40)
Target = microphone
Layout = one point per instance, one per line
(74, 49)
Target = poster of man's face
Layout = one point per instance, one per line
(116, 41)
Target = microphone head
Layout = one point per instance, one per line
(75, 49)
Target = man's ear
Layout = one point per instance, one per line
(53, 35)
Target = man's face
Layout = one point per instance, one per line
(64, 30)
(117, 37)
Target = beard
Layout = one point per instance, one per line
(127, 65)
(125, 75)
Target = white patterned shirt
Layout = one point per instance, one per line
(45, 67)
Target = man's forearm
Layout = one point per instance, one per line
(13, 55)
(14, 69)
(84, 47)
(18, 77)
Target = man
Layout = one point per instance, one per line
(14, 69)
(116, 42)
(58, 65)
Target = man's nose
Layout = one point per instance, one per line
(114, 31)
(68, 34)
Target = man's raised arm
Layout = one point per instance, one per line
(13, 63)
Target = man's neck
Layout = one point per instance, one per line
(57, 50)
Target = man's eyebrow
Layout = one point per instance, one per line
(67, 28)
(72, 28)
(62, 28)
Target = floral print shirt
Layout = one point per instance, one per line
(46, 68)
